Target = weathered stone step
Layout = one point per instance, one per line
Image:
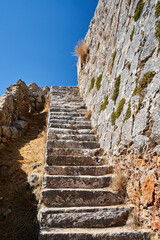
(67, 117)
(79, 197)
(69, 110)
(70, 122)
(67, 114)
(117, 233)
(64, 160)
(71, 151)
(93, 217)
(84, 137)
(72, 144)
(70, 131)
(79, 170)
(89, 182)
(69, 126)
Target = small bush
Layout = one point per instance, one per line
(113, 117)
(157, 34)
(88, 115)
(116, 88)
(92, 84)
(128, 112)
(146, 79)
(139, 10)
(104, 104)
(131, 35)
(157, 8)
(98, 82)
(119, 182)
(120, 107)
(81, 51)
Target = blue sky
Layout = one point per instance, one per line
(38, 38)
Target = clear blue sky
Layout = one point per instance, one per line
(38, 38)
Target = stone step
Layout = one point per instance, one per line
(83, 182)
(79, 170)
(69, 110)
(70, 131)
(70, 122)
(92, 217)
(71, 151)
(116, 233)
(67, 117)
(72, 144)
(64, 160)
(67, 114)
(80, 197)
(69, 126)
(84, 137)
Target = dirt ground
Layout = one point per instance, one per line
(16, 197)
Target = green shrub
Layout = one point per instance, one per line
(157, 8)
(139, 10)
(104, 104)
(113, 117)
(116, 88)
(92, 84)
(131, 35)
(120, 107)
(145, 80)
(98, 82)
(128, 112)
(157, 34)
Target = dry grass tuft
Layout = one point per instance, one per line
(81, 51)
(119, 182)
(88, 115)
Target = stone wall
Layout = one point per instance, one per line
(15, 105)
(120, 83)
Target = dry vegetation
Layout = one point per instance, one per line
(15, 194)
(81, 51)
(88, 115)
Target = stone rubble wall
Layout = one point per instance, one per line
(15, 105)
(120, 46)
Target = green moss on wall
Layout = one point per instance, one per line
(98, 82)
(116, 88)
(128, 112)
(113, 58)
(113, 117)
(92, 84)
(145, 80)
(98, 45)
(139, 10)
(157, 9)
(157, 34)
(104, 104)
(120, 107)
(131, 35)
(117, 113)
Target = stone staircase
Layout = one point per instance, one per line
(77, 202)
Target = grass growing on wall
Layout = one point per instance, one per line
(131, 35)
(113, 117)
(98, 82)
(145, 80)
(104, 104)
(92, 84)
(139, 10)
(157, 9)
(116, 88)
